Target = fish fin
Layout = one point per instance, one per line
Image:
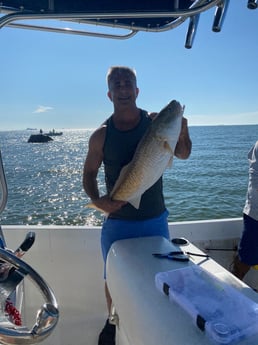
(91, 205)
(168, 147)
(170, 162)
(135, 202)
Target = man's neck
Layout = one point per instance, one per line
(126, 119)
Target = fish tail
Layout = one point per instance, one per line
(91, 205)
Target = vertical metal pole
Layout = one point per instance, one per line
(252, 4)
(194, 20)
(220, 15)
(3, 186)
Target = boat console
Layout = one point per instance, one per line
(149, 279)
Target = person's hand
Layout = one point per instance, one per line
(153, 115)
(106, 204)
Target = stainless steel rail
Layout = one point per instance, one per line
(3, 186)
(95, 18)
(12, 17)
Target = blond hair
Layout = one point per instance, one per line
(117, 70)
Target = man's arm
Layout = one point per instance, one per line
(184, 144)
(92, 164)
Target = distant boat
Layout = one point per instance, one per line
(39, 138)
(54, 133)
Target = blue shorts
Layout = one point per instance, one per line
(248, 246)
(117, 229)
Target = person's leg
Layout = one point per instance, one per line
(157, 226)
(239, 268)
(247, 255)
(111, 232)
(108, 334)
(108, 299)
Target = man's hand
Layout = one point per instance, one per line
(106, 204)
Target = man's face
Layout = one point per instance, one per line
(122, 89)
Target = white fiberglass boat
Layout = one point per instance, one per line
(65, 262)
(70, 260)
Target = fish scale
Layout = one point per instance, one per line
(153, 155)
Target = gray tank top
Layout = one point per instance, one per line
(119, 148)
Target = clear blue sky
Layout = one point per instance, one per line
(51, 80)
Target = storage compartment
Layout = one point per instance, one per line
(220, 310)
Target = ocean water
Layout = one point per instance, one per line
(45, 180)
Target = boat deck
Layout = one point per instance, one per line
(69, 259)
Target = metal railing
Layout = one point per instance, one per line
(121, 20)
(3, 186)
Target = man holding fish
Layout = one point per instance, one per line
(135, 148)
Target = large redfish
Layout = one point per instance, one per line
(153, 155)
